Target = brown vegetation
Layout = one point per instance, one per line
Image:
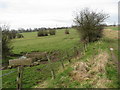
(92, 70)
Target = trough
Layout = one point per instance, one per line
(23, 61)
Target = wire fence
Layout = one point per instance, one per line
(62, 55)
(8, 73)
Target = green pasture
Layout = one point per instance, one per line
(33, 76)
(31, 42)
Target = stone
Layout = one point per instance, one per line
(9, 67)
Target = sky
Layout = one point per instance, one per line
(51, 13)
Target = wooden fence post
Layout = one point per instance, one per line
(52, 70)
(85, 47)
(19, 77)
(74, 51)
(53, 73)
(68, 57)
(84, 50)
(62, 63)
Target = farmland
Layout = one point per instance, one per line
(33, 43)
(112, 27)
(39, 76)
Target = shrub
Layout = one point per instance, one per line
(6, 45)
(42, 33)
(89, 25)
(52, 32)
(45, 32)
(6, 42)
(20, 35)
(13, 34)
(67, 31)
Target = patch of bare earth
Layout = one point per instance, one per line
(91, 70)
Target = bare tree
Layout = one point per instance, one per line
(89, 24)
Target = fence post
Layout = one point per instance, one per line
(74, 50)
(61, 60)
(52, 70)
(53, 73)
(68, 57)
(62, 63)
(85, 46)
(19, 77)
(84, 50)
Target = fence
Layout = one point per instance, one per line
(63, 55)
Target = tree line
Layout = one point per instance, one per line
(21, 30)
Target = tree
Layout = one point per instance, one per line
(6, 42)
(89, 24)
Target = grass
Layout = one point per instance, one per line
(31, 75)
(112, 74)
(64, 80)
(112, 27)
(33, 43)
(38, 74)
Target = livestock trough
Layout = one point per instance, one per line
(16, 62)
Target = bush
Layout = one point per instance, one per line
(6, 42)
(42, 33)
(6, 45)
(45, 32)
(67, 31)
(89, 25)
(20, 35)
(52, 32)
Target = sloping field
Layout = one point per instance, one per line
(97, 60)
(96, 69)
(33, 43)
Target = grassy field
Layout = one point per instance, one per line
(40, 76)
(59, 41)
(30, 43)
(33, 43)
(107, 79)
(112, 27)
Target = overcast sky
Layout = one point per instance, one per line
(51, 13)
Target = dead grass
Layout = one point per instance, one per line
(91, 70)
(111, 33)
